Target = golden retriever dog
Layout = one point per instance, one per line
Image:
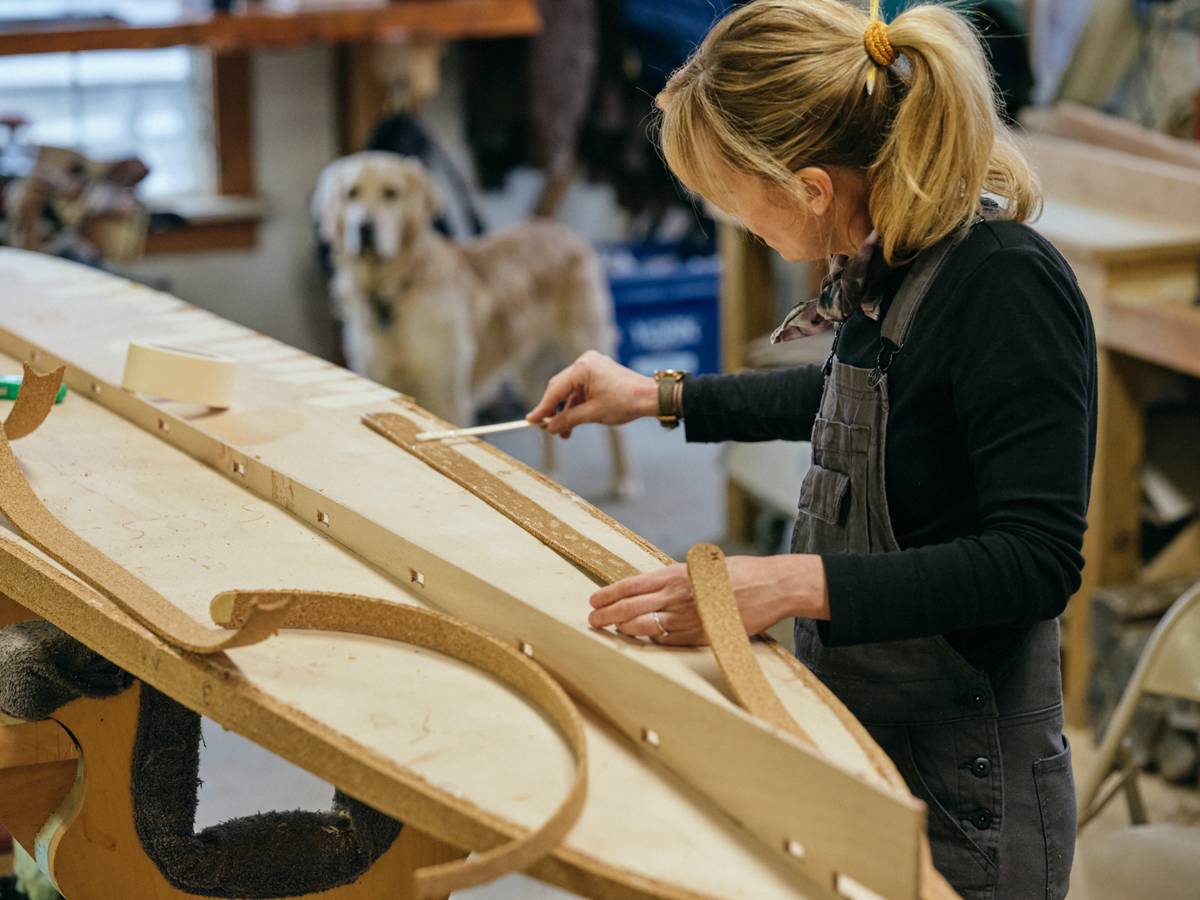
(450, 324)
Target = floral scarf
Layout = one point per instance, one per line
(853, 283)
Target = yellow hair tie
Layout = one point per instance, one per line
(878, 44)
(879, 48)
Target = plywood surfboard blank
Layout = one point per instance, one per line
(320, 701)
(293, 436)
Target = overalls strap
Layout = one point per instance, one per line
(903, 310)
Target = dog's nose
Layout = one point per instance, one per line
(381, 309)
(366, 237)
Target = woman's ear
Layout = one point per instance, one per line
(816, 187)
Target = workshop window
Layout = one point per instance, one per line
(109, 104)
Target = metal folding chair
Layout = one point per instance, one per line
(1143, 859)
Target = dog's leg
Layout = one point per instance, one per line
(447, 400)
(554, 191)
(625, 484)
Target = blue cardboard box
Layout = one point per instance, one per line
(668, 313)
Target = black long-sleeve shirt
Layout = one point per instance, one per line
(990, 443)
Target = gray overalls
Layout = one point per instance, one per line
(983, 749)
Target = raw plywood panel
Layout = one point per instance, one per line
(388, 485)
(191, 534)
(327, 469)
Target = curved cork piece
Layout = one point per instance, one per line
(34, 402)
(722, 622)
(30, 518)
(356, 614)
(730, 644)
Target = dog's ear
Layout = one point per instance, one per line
(326, 204)
(422, 186)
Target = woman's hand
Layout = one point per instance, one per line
(594, 388)
(767, 589)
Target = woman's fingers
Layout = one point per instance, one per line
(675, 620)
(558, 390)
(564, 423)
(632, 607)
(631, 604)
(594, 388)
(645, 583)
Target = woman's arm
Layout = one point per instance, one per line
(752, 406)
(755, 406)
(767, 588)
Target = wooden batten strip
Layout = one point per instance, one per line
(598, 561)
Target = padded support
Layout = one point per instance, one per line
(272, 854)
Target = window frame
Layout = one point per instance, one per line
(232, 98)
(230, 38)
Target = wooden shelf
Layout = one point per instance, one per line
(1166, 334)
(210, 209)
(234, 32)
(1116, 235)
(211, 222)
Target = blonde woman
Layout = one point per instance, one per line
(953, 427)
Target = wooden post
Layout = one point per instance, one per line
(1112, 545)
(362, 93)
(747, 293)
(233, 122)
(11, 612)
(747, 312)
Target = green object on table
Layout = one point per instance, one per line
(10, 386)
(32, 881)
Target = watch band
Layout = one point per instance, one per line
(670, 396)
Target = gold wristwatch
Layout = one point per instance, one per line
(670, 397)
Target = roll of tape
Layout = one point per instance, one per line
(191, 376)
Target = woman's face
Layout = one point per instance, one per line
(778, 217)
(825, 213)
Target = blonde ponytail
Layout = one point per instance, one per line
(781, 84)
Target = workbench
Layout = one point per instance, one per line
(689, 795)
(1130, 228)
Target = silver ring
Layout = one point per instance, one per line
(662, 631)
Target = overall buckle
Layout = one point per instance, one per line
(883, 362)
